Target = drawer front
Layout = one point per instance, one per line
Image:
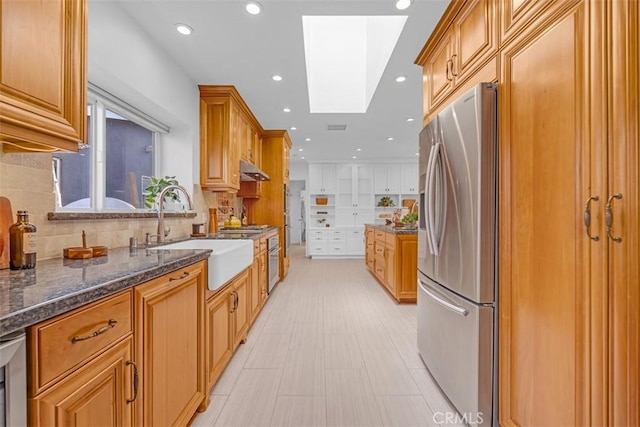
(337, 248)
(337, 233)
(355, 233)
(65, 342)
(380, 234)
(337, 238)
(318, 249)
(318, 233)
(378, 249)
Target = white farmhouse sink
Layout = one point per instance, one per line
(229, 257)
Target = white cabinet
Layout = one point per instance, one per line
(355, 242)
(322, 178)
(317, 242)
(354, 217)
(387, 178)
(409, 178)
(355, 186)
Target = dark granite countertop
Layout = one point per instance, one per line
(390, 229)
(59, 285)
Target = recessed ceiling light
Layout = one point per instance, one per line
(417, 154)
(410, 119)
(307, 139)
(403, 4)
(276, 78)
(390, 138)
(302, 157)
(286, 110)
(401, 79)
(358, 149)
(300, 149)
(184, 29)
(253, 7)
(293, 128)
(353, 157)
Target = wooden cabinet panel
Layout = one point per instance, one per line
(65, 342)
(219, 335)
(515, 15)
(241, 310)
(43, 83)
(476, 38)
(542, 310)
(254, 290)
(624, 179)
(438, 72)
(100, 393)
(170, 341)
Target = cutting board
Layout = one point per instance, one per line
(6, 219)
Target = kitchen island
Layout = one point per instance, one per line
(391, 256)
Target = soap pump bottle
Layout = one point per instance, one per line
(22, 242)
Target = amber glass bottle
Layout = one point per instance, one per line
(22, 236)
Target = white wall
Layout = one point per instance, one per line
(127, 63)
(298, 171)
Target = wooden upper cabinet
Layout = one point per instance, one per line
(515, 15)
(464, 41)
(43, 81)
(228, 133)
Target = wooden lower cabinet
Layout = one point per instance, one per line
(170, 346)
(101, 393)
(241, 310)
(219, 331)
(392, 258)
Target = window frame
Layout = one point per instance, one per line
(100, 101)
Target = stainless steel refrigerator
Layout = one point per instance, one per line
(457, 246)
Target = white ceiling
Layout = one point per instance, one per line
(231, 47)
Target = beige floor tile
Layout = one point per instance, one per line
(232, 371)
(350, 400)
(253, 399)
(388, 373)
(209, 417)
(299, 411)
(303, 373)
(430, 391)
(342, 351)
(407, 346)
(269, 352)
(405, 411)
(373, 335)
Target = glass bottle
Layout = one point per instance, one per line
(22, 237)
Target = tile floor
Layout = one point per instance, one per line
(330, 348)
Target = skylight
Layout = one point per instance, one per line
(345, 58)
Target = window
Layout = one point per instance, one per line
(113, 169)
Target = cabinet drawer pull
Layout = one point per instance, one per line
(182, 276)
(452, 64)
(111, 324)
(135, 381)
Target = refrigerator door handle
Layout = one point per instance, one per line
(461, 311)
(428, 200)
(440, 162)
(431, 220)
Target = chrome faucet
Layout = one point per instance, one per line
(161, 231)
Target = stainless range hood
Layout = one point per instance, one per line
(250, 172)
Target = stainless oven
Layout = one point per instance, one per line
(273, 248)
(13, 380)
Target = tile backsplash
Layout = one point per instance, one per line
(26, 179)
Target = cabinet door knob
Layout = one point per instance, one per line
(608, 217)
(587, 218)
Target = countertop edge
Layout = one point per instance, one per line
(35, 314)
(392, 230)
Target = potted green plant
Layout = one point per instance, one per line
(386, 202)
(410, 219)
(153, 190)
